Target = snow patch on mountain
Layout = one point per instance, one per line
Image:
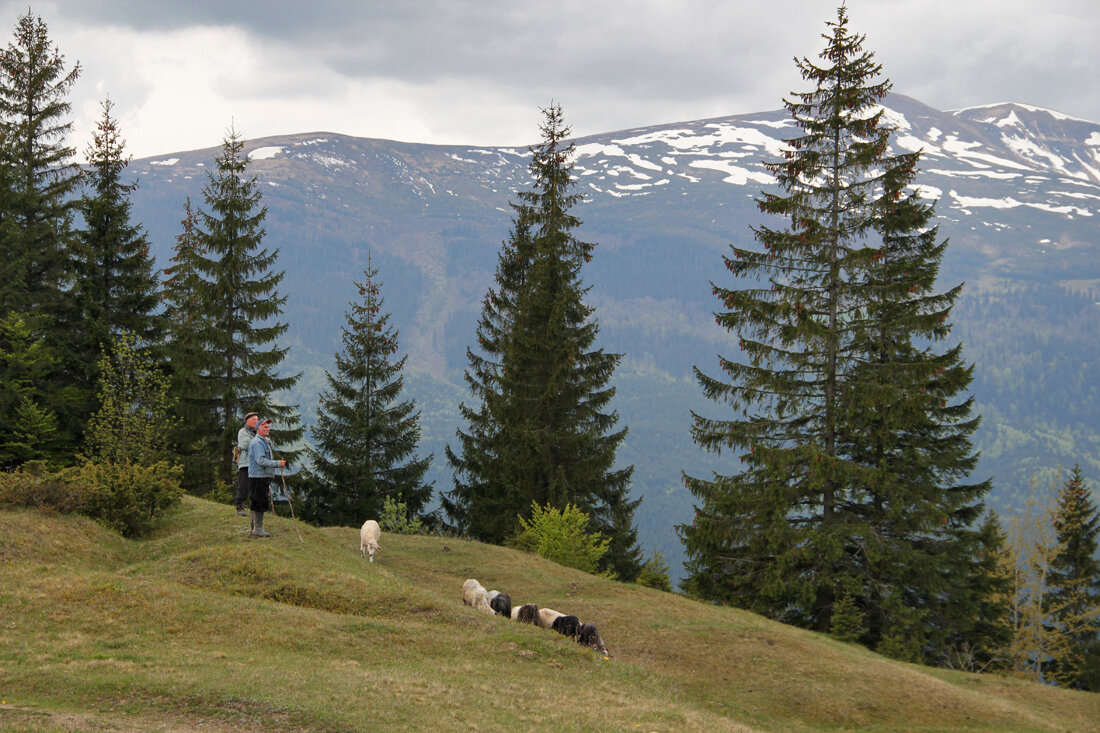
(965, 203)
(1011, 121)
(982, 173)
(772, 123)
(265, 153)
(915, 145)
(892, 118)
(963, 150)
(600, 151)
(968, 202)
(329, 161)
(735, 174)
(929, 193)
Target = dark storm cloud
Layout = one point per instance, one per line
(665, 50)
(476, 71)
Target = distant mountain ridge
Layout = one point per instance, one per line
(1018, 190)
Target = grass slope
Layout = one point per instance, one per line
(203, 628)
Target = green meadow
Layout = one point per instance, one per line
(202, 628)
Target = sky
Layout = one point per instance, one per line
(180, 73)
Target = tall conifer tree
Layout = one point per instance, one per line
(188, 331)
(366, 435)
(241, 308)
(852, 449)
(542, 433)
(116, 288)
(39, 179)
(38, 170)
(1074, 583)
(478, 472)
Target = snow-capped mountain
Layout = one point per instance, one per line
(1017, 191)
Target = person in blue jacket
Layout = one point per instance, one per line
(261, 469)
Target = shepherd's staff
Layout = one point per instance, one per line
(282, 475)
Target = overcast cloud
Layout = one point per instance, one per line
(477, 71)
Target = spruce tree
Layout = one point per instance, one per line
(188, 330)
(27, 426)
(39, 180)
(543, 433)
(851, 445)
(903, 422)
(482, 500)
(1074, 586)
(976, 616)
(366, 436)
(116, 288)
(240, 309)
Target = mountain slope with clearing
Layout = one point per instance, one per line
(203, 628)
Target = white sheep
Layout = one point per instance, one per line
(368, 538)
(547, 616)
(474, 594)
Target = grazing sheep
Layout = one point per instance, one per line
(474, 594)
(501, 603)
(588, 635)
(566, 626)
(547, 616)
(368, 538)
(528, 613)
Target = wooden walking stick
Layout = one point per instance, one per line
(282, 475)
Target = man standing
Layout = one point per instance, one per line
(244, 438)
(261, 469)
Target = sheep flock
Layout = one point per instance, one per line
(493, 601)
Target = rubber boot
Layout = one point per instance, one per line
(258, 525)
(240, 509)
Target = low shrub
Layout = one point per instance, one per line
(397, 518)
(32, 485)
(127, 497)
(560, 536)
(654, 574)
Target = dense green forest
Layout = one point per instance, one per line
(1035, 382)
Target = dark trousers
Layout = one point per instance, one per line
(243, 486)
(258, 494)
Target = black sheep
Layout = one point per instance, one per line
(502, 604)
(588, 635)
(528, 613)
(567, 626)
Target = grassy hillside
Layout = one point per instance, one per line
(203, 628)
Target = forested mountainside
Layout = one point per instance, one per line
(1017, 188)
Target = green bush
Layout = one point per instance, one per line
(127, 497)
(847, 621)
(219, 492)
(560, 536)
(397, 518)
(897, 646)
(654, 574)
(133, 421)
(32, 485)
(524, 541)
